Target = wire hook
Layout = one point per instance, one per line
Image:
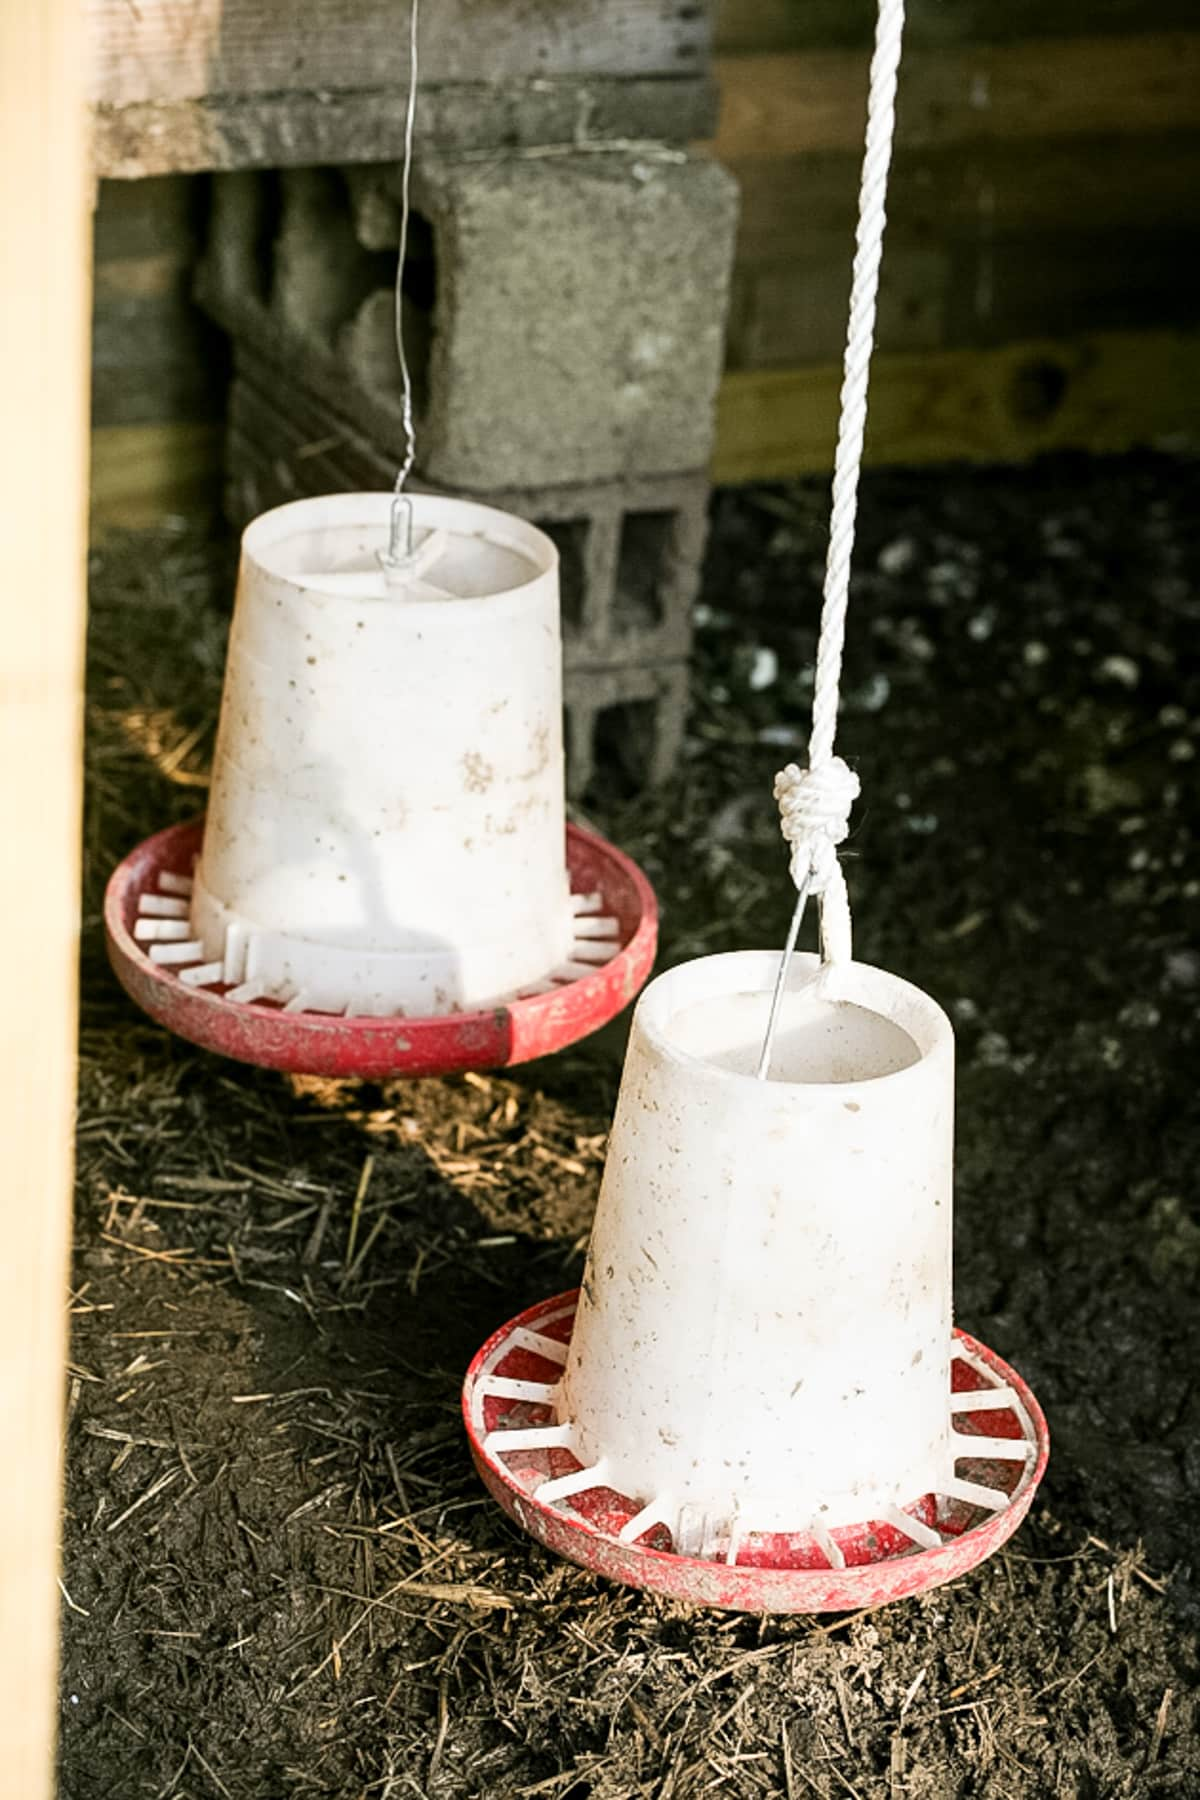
(764, 1061)
(397, 560)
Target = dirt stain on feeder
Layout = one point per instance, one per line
(541, 754)
(478, 773)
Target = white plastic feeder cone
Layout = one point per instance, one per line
(763, 1337)
(386, 824)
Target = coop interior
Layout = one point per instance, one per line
(312, 1185)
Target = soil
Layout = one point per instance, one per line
(281, 1576)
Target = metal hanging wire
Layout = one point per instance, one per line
(397, 557)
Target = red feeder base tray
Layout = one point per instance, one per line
(380, 1048)
(770, 1572)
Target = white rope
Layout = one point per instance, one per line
(814, 816)
(814, 803)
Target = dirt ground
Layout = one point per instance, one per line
(281, 1577)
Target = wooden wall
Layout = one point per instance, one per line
(180, 86)
(1044, 204)
(158, 368)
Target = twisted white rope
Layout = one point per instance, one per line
(814, 815)
(814, 803)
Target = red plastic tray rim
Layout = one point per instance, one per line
(378, 1048)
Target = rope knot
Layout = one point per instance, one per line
(814, 816)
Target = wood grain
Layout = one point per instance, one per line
(1102, 393)
(161, 50)
(820, 24)
(963, 294)
(1090, 185)
(795, 311)
(140, 473)
(265, 131)
(45, 208)
(154, 355)
(786, 105)
(149, 218)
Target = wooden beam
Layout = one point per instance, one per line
(961, 294)
(45, 223)
(786, 105)
(794, 312)
(161, 50)
(822, 24)
(801, 207)
(1102, 393)
(185, 85)
(292, 130)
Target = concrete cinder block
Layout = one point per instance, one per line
(564, 315)
(630, 555)
(563, 318)
(632, 717)
(578, 318)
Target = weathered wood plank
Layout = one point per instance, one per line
(140, 473)
(154, 277)
(45, 208)
(1046, 286)
(154, 218)
(804, 204)
(750, 25)
(154, 355)
(162, 50)
(181, 374)
(962, 295)
(785, 105)
(822, 24)
(795, 312)
(298, 129)
(1103, 393)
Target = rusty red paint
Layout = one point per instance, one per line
(774, 1572)
(375, 1049)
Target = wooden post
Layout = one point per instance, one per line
(45, 231)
